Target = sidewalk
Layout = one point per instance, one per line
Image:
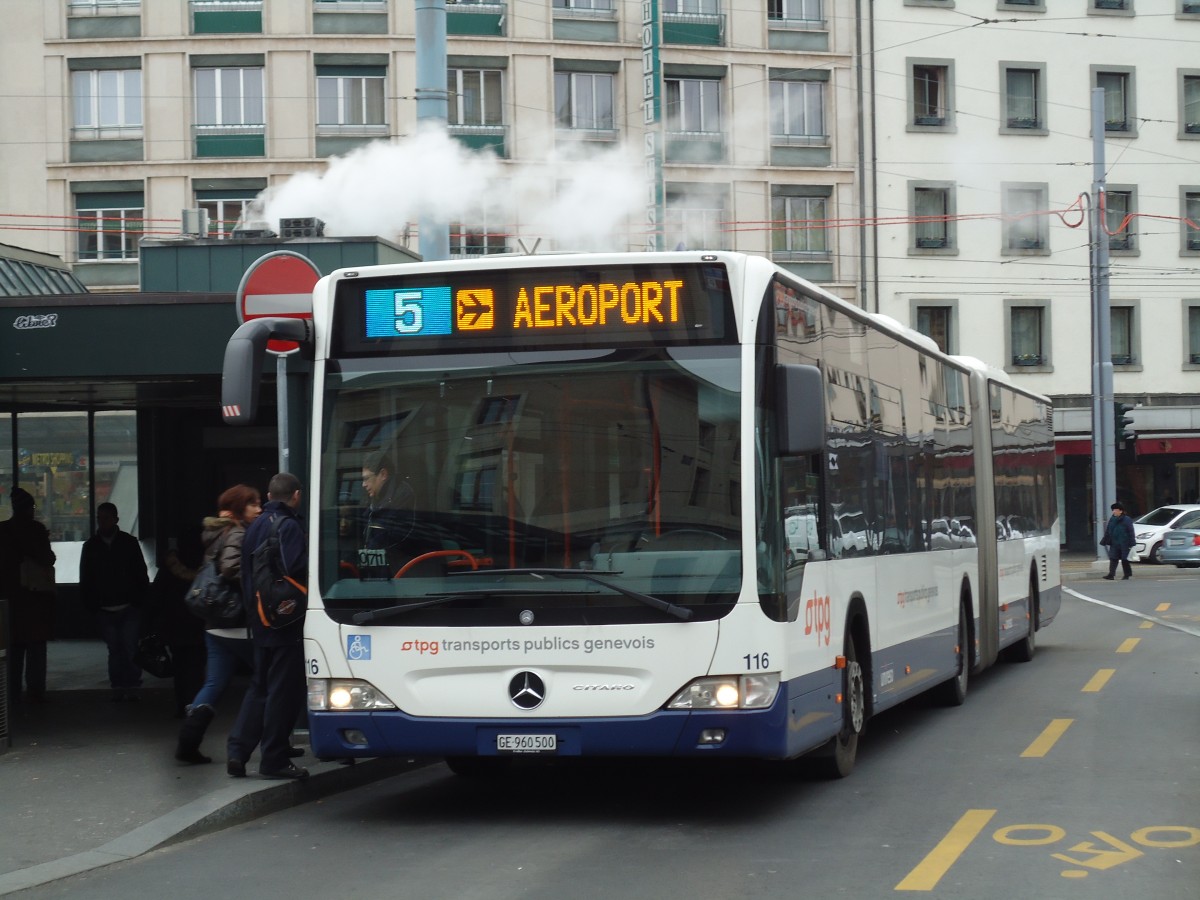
(88, 782)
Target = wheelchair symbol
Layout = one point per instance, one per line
(358, 646)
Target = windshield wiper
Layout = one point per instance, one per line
(374, 615)
(679, 612)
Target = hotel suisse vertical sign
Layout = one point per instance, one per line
(652, 120)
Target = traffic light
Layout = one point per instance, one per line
(1123, 427)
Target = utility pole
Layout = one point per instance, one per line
(1104, 464)
(433, 108)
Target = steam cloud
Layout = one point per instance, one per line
(570, 201)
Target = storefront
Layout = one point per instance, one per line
(116, 397)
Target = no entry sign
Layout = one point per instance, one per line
(278, 285)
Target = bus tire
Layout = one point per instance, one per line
(953, 691)
(479, 766)
(1023, 650)
(836, 759)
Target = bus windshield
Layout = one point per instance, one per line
(572, 486)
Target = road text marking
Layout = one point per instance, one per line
(1047, 739)
(1099, 680)
(939, 860)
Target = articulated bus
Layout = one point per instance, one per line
(648, 504)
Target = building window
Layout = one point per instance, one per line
(1024, 100)
(1191, 220)
(692, 7)
(229, 98)
(103, 7)
(583, 100)
(936, 323)
(1118, 102)
(930, 94)
(799, 225)
(795, 11)
(1193, 335)
(476, 97)
(484, 235)
(933, 212)
(107, 103)
(1027, 335)
(223, 214)
(109, 224)
(349, 101)
(1189, 101)
(798, 112)
(694, 218)
(693, 105)
(1121, 321)
(1118, 210)
(226, 16)
(596, 5)
(1112, 5)
(1026, 226)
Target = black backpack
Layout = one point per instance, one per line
(280, 599)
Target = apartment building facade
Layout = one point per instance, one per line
(132, 111)
(980, 181)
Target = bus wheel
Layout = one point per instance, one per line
(836, 758)
(954, 691)
(1023, 650)
(479, 766)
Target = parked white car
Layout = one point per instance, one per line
(1151, 528)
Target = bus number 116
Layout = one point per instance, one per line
(756, 661)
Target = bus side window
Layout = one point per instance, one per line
(800, 476)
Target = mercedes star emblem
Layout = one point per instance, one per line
(526, 690)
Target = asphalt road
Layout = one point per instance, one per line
(1075, 775)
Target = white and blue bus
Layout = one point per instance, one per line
(649, 504)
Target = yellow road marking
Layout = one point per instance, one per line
(1128, 644)
(1162, 607)
(1047, 739)
(939, 860)
(1099, 680)
(1146, 624)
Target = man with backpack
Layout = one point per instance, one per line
(274, 554)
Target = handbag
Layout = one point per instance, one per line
(36, 577)
(154, 657)
(215, 599)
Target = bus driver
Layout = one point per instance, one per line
(388, 518)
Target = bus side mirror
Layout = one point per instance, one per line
(800, 409)
(241, 373)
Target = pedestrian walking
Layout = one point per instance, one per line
(113, 581)
(27, 581)
(1119, 539)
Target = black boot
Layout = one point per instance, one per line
(192, 733)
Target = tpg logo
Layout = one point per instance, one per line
(817, 618)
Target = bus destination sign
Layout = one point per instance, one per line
(657, 303)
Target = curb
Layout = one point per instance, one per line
(234, 805)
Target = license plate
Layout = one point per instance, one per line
(1176, 542)
(527, 743)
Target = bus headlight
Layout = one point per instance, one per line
(345, 694)
(728, 692)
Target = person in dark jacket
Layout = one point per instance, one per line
(1119, 538)
(27, 581)
(169, 618)
(387, 519)
(113, 582)
(276, 695)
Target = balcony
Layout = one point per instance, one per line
(478, 19)
(229, 140)
(693, 28)
(482, 137)
(694, 147)
(226, 16)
